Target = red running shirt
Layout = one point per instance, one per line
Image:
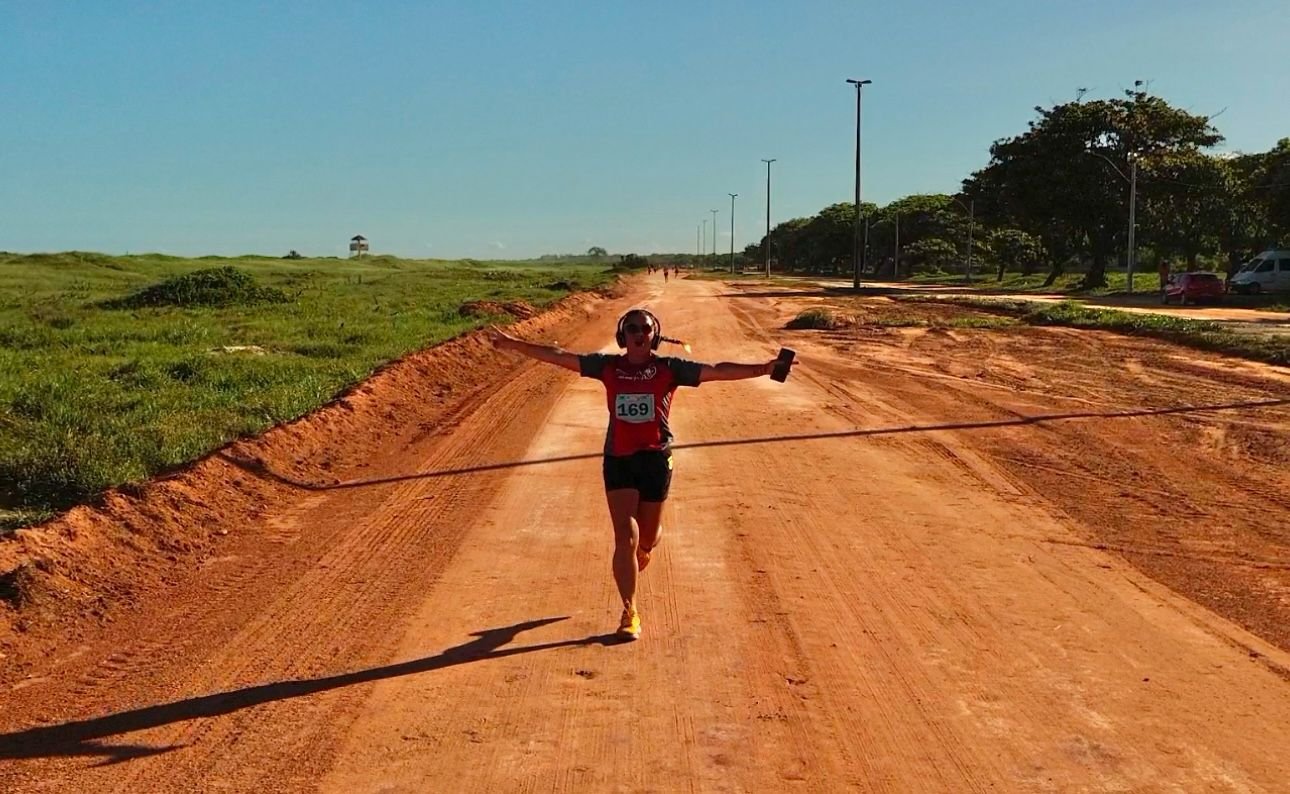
(639, 397)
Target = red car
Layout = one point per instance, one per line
(1194, 288)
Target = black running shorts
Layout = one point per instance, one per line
(649, 472)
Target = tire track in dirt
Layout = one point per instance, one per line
(369, 558)
(1129, 483)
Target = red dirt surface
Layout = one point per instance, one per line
(936, 559)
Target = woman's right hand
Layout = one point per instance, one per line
(500, 339)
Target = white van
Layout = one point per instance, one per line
(1267, 272)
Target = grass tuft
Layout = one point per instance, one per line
(213, 287)
(820, 318)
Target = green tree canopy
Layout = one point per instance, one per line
(1066, 179)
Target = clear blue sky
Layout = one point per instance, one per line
(506, 130)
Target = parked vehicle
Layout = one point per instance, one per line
(1267, 272)
(1194, 288)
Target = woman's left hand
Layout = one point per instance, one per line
(774, 362)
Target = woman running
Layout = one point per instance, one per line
(638, 460)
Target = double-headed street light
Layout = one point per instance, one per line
(765, 253)
(895, 262)
(857, 250)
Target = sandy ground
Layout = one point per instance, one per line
(937, 559)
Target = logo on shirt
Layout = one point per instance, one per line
(641, 374)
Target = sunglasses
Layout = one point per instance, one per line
(633, 328)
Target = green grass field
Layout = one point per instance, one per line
(1117, 281)
(104, 383)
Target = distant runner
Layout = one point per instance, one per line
(638, 460)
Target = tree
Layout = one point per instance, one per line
(1188, 199)
(1015, 250)
(1273, 187)
(788, 241)
(931, 253)
(830, 238)
(596, 252)
(921, 217)
(631, 262)
(1066, 179)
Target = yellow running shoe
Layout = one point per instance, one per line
(629, 625)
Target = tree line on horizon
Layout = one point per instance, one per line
(1056, 197)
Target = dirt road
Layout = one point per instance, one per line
(934, 560)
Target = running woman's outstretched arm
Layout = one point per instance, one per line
(728, 370)
(548, 353)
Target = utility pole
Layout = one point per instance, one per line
(895, 263)
(856, 250)
(971, 208)
(1133, 222)
(732, 232)
(765, 253)
(704, 249)
(714, 232)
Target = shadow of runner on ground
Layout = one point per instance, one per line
(82, 738)
(259, 468)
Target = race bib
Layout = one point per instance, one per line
(634, 408)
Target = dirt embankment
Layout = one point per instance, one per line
(86, 567)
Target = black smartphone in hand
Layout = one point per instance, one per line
(782, 365)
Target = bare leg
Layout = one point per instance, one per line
(649, 517)
(622, 505)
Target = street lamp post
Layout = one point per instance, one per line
(1130, 255)
(894, 220)
(732, 232)
(971, 208)
(704, 249)
(857, 250)
(895, 262)
(765, 252)
(697, 242)
(864, 247)
(714, 232)
(1133, 224)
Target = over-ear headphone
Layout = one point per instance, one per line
(621, 335)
